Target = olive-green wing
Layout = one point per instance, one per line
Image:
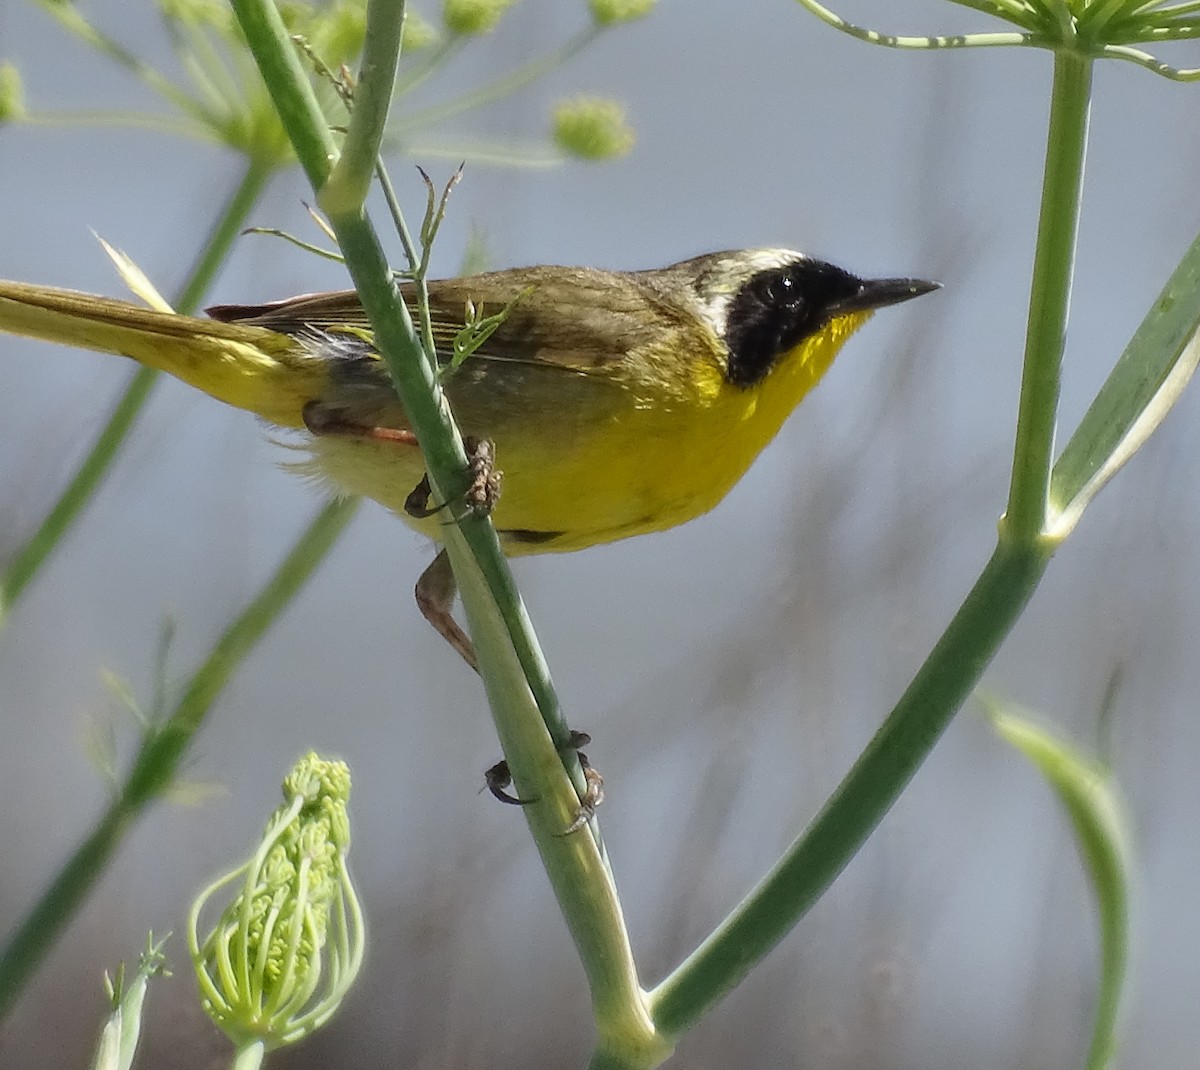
(579, 319)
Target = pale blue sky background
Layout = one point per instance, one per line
(729, 670)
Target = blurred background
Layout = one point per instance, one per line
(731, 670)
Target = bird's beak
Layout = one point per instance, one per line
(879, 293)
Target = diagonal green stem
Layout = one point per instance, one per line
(83, 485)
(970, 641)
(574, 864)
(162, 750)
(881, 773)
(224, 233)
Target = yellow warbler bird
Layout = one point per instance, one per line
(619, 402)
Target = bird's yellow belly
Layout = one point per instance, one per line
(640, 471)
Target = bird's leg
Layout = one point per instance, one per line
(320, 420)
(481, 494)
(435, 599)
(498, 779)
(436, 589)
(593, 794)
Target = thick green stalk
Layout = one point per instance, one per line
(1050, 296)
(415, 380)
(29, 559)
(162, 750)
(249, 1056)
(574, 863)
(874, 783)
(969, 642)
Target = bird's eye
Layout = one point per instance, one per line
(781, 290)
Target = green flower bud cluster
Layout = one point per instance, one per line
(610, 12)
(419, 32)
(287, 947)
(473, 16)
(592, 128)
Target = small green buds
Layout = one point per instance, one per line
(592, 128)
(12, 94)
(419, 32)
(287, 948)
(474, 16)
(610, 12)
(334, 31)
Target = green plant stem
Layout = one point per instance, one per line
(346, 188)
(577, 870)
(74, 21)
(158, 759)
(249, 1056)
(575, 864)
(226, 229)
(972, 637)
(501, 87)
(1050, 296)
(868, 791)
(29, 559)
(416, 380)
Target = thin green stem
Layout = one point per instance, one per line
(72, 20)
(1050, 297)
(888, 40)
(35, 935)
(420, 276)
(225, 231)
(416, 380)
(28, 560)
(157, 762)
(870, 788)
(348, 183)
(501, 87)
(973, 636)
(163, 124)
(415, 73)
(575, 865)
(532, 155)
(162, 750)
